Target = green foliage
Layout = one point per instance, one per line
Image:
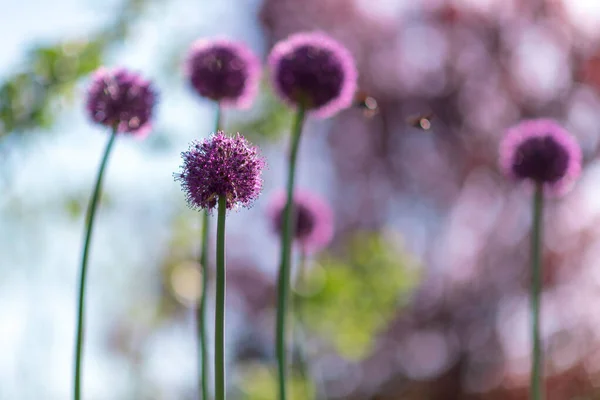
(359, 293)
(26, 99)
(29, 98)
(274, 122)
(259, 383)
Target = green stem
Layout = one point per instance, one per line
(536, 389)
(201, 309)
(297, 310)
(220, 303)
(91, 212)
(284, 268)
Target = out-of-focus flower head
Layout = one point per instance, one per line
(314, 71)
(541, 151)
(224, 71)
(221, 165)
(314, 218)
(121, 99)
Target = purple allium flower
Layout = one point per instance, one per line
(314, 70)
(121, 98)
(314, 218)
(221, 166)
(542, 151)
(224, 71)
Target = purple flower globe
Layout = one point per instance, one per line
(314, 219)
(223, 71)
(543, 152)
(122, 99)
(315, 71)
(221, 165)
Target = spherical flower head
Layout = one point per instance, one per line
(314, 71)
(221, 165)
(223, 71)
(122, 99)
(314, 218)
(543, 152)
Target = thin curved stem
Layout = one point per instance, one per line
(220, 303)
(91, 213)
(536, 389)
(201, 308)
(284, 268)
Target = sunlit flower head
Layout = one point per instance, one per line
(314, 218)
(543, 152)
(122, 99)
(221, 165)
(224, 71)
(315, 71)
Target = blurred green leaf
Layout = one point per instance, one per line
(259, 383)
(274, 122)
(360, 293)
(30, 98)
(74, 207)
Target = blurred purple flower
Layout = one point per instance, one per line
(121, 98)
(221, 166)
(541, 151)
(223, 71)
(314, 70)
(314, 218)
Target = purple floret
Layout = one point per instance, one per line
(543, 152)
(121, 98)
(315, 71)
(221, 166)
(314, 219)
(223, 71)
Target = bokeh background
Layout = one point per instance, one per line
(423, 292)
